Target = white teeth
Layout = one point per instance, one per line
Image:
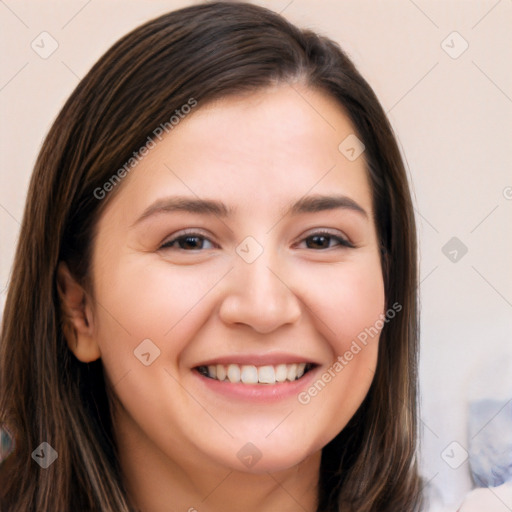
(300, 370)
(281, 372)
(251, 374)
(266, 375)
(234, 373)
(291, 372)
(212, 370)
(220, 372)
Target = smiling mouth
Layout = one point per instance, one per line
(250, 374)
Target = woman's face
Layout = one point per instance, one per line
(202, 266)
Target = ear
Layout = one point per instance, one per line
(77, 324)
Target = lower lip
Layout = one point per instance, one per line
(260, 393)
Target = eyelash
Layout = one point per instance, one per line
(342, 242)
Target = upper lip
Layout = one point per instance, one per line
(257, 359)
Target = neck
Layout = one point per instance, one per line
(157, 482)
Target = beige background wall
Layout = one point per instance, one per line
(452, 110)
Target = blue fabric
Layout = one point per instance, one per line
(490, 442)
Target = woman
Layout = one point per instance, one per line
(177, 334)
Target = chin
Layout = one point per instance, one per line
(272, 463)
(271, 455)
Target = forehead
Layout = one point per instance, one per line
(263, 148)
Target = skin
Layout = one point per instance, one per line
(178, 440)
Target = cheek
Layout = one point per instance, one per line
(348, 300)
(138, 300)
(149, 300)
(351, 303)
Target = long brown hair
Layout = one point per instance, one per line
(205, 52)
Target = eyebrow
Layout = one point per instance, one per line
(307, 204)
(319, 203)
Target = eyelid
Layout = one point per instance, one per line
(342, 239)
(184, 233)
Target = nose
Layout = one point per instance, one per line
(258, 295)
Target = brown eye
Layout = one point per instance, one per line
(187, 242)
(321, 240)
